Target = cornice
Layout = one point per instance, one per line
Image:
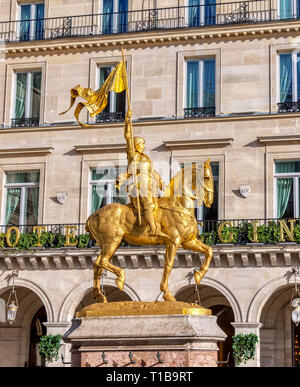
(277, 140)
(162, 37)
(37, 151)
(224, 256)
(100, 148)
(198, 143)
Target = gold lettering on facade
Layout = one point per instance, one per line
(289, 231)
(39, 230)
(70, 235)
(8, 236)
(220, 228)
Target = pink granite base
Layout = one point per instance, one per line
(188, 358)
(145, 341)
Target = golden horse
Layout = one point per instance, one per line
(115, 222)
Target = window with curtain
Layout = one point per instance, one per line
(287, 178)
(289, 77)
(114, 16)
(31, 26)
(27, 94)
(103, 188)
(289, 9)
(203, 213)
(21, 198)
(201, 12)
(116, 101)
(200, 83)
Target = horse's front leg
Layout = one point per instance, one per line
(196, 245)
(169, 262)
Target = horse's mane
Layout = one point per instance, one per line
(188, 181)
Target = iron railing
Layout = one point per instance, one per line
(288, 107)
(199, 112)
(212, 232)
(25, 122)
(110, 117)
(215, 13)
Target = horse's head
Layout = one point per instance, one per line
(208, 184)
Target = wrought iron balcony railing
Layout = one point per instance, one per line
(199, 112)
(214, 13)
(23, 122)
(212, 232)
(289, 107)
(110, 117)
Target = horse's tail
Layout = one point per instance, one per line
(88, 228)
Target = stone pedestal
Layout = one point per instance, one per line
(180, 340)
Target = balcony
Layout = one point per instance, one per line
(109, 117)
(199, 112)
(239, 232)
(227, 13)
(25, 122)
(289, 107)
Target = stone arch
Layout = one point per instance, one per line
(71, 301)
(262, 296)
(233, 302)
(22, 282)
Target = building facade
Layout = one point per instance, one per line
(207, 79)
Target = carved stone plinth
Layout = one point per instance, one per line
(179, 340)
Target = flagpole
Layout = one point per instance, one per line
(132, 144)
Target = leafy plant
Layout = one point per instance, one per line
(49, 346)
(244, 347)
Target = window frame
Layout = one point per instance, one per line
(296, 187)
(201, 80)
(23, 187)
(28, 97)
(183, 57)
(32, 18)
(115, 16)
(109, 182)
(294, 53)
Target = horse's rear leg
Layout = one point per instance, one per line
(196, 245)
(102, 263)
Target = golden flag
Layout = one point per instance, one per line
(96, 101)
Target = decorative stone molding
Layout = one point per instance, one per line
(199, 143)
(252, 255)
(37, 151)
(277, 140)
(149, 38)
(100, 148)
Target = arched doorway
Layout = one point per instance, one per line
(279, 336)
(213, 299)
(37, 330)
(16, 339)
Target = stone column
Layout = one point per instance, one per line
(246, 328)
(64, 356)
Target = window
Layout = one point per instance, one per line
(31, 26)
(115, 109)
(287, 179)
(27, 98)
(200, 88)
(289, 9)
(22, 198)
(289, 83)
(201, 12)
(209, 216)
(103, 187)
(115, 15)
